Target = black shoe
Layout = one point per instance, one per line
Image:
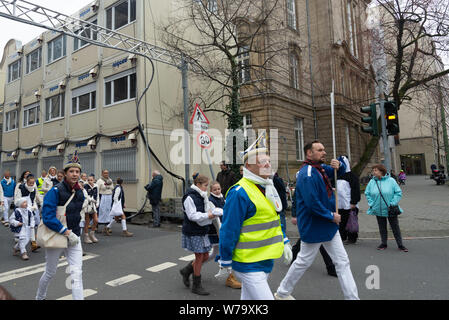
(197, 288)
(186, 272)
(331, 271)
(382, 247)
(403, 249)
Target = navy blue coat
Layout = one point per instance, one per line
(155, 190)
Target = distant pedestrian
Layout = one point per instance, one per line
(382, 192)
(50, 180)
(318, 222)
(348, 186)
(226, 178)
(117, 213)
(40, 182)
(402, 177)
(280, 188)
(8, 186)
(105, 189)
(91, 216)
(22, 225)
(154, 193)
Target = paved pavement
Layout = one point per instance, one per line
(426, 211)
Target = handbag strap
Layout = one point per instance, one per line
(70, 200)
(381, 194)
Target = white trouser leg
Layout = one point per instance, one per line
(24, 239)
(338, 254)
(303, 261)
(74, 258)
(6, 204)
(254, 286)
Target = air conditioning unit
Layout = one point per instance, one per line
(35, 151)
(133, 138)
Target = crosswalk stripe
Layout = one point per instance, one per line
(161, 267)
(123, 280)
(23, 272)
(86, 292)
(188, 258)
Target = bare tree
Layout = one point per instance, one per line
(409, 38)
(229, 40)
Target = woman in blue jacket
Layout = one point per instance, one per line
(392, 194)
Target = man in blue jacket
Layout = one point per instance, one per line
(318, 222)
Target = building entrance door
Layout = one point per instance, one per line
(413, 164)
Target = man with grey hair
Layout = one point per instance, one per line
(154, 193)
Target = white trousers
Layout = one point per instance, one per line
(254, 286)
(75, 259)
(23, 238)
(6, 204)
(305, 258)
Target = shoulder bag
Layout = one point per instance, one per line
(48, 238)
(393, 211)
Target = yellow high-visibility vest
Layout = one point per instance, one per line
(261, 237)
(39, 185)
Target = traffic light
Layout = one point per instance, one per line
(371, 119)
(391, 115)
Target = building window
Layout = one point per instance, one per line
(84, 99)
(212, 6)
(291, 14)
(14, 71)
(121, 163)
(34, 60)
(352, 28)
(54, 107)
(299, 139)
(294, 70)
(31, 115)
(57, 49)
(121, 14)
(11, 120)
(89, 32)
(120, 88)
(243, 63)
(247, 128)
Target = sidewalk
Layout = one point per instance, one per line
(426, 212)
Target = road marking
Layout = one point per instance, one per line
(38, 268)
(161, 267)
(123, 280)
(188, 258)
(86, 293)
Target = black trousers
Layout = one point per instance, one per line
(394, 223)
(345, 235)
(327, 259)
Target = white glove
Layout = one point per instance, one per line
(73, 239)
(223, 273)
(288, 254)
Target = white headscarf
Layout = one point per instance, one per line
(270, 191)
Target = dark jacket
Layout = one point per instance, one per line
(121, 196)
(191, 228)
(154, 190)
(280, 188)
(226, 179)
(58, 196)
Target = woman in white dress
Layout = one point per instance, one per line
(105, 189)
(117, 214)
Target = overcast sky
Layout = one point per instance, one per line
(15, 30)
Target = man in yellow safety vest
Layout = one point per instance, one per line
(251, 237)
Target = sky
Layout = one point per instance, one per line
(15, 30)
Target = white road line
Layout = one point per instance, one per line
(87, 293)
(123, 280)
(38, 268)
(188, 258)
(162, 266)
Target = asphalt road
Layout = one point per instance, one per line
(146, 267)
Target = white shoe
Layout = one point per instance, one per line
(87, 239)
(278, 297)
(92, 237)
